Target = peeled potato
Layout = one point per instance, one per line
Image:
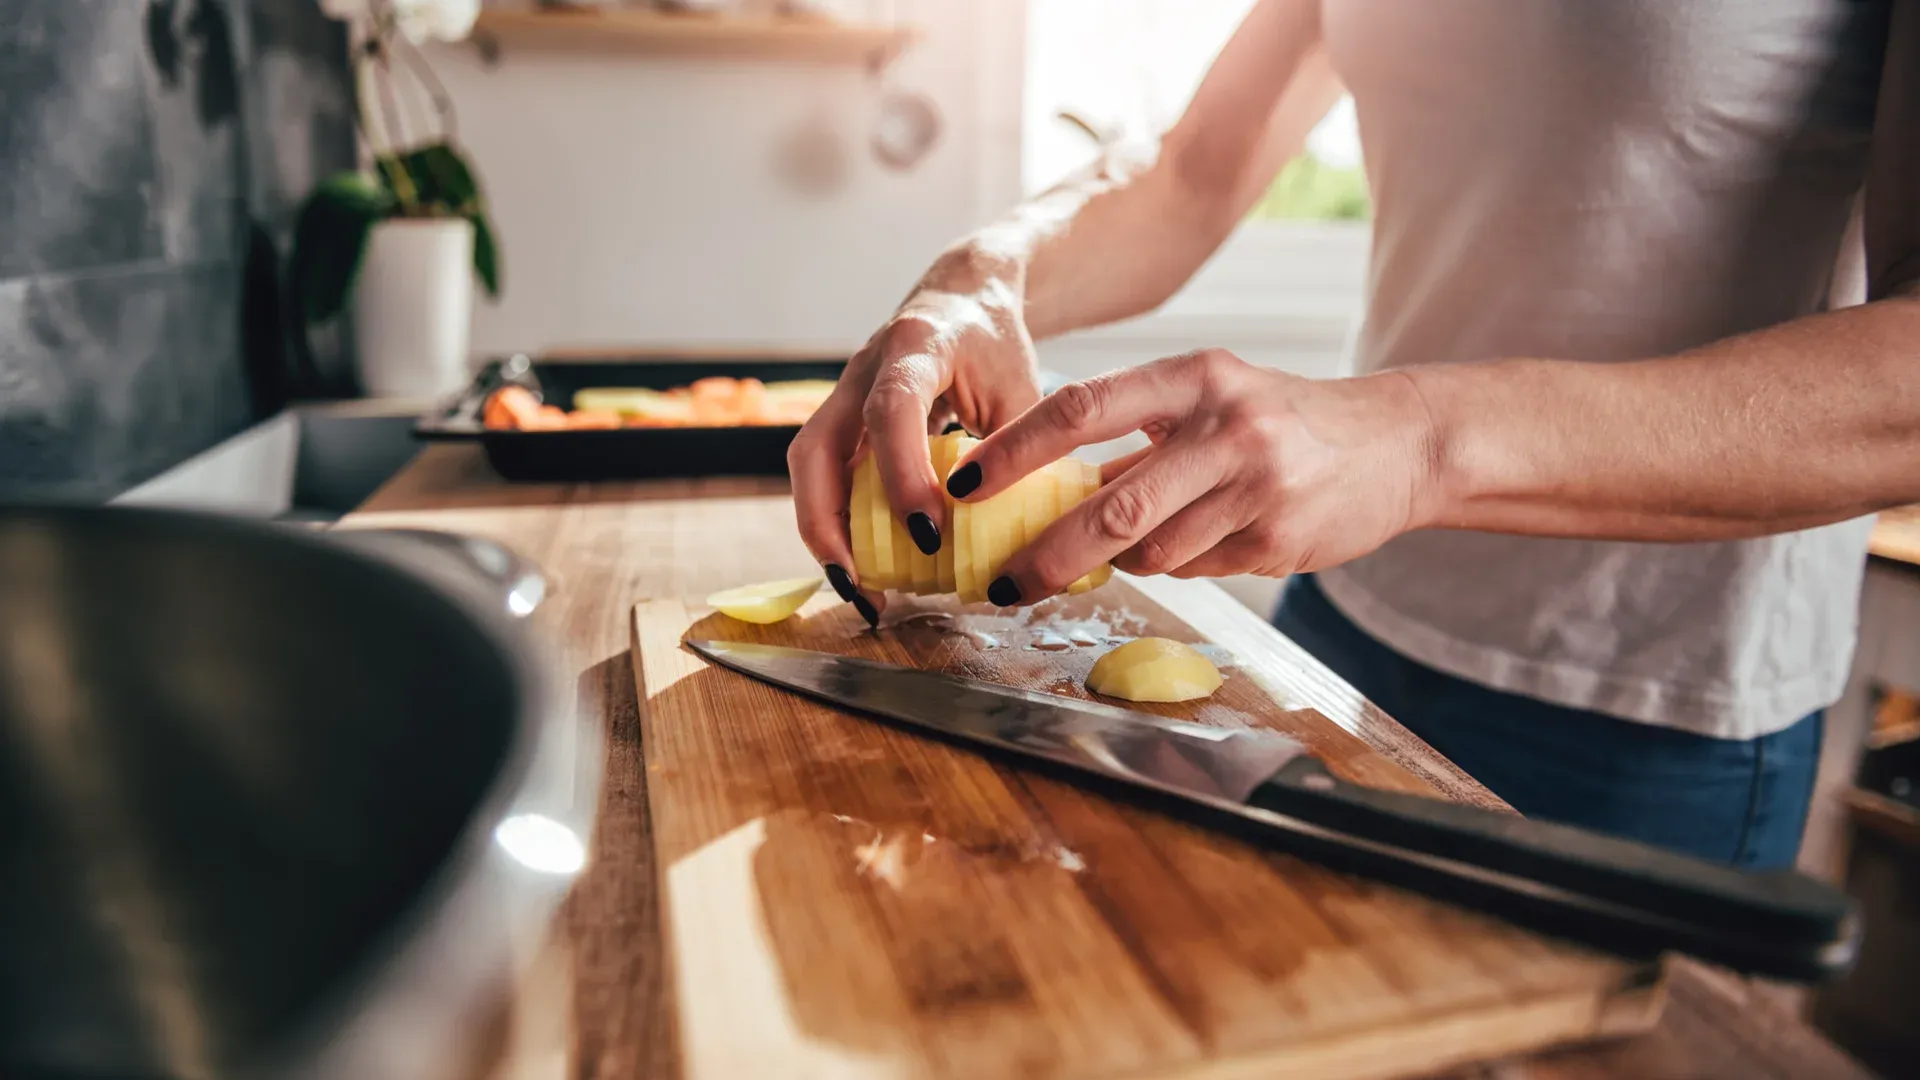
(768, 602)
(1154, 669)
(981, 536)
(945, 454)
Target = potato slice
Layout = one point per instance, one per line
(946, 450)
(979, 545)
(1002, 512)
(922, 570)
(768, 602)
(903, 551)
(1154, 669)
(980, 537)
(1040, 502)
(878, 520)
(860, 519)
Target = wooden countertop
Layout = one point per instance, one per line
(597, 1003)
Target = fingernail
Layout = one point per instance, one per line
(842, 583)
(867, 611)
(954, 426)
(964, 480)
(1003, 592)
(926, 535)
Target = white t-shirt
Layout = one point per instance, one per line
(1606, 180)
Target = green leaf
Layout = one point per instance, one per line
(442, 179)
(330, 240)
(444, 184)
(486, 253)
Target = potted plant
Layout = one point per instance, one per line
(406, 238)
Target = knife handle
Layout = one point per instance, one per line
(1710, 901)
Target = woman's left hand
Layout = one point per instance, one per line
(1251, 471)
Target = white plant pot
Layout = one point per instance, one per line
(413, 308)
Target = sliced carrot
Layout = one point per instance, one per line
(514, 407)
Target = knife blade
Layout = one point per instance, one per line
(1268, 789)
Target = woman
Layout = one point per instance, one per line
(1587, 520)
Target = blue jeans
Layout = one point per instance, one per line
(1737, 801)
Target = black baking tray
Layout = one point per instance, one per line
(624, 453)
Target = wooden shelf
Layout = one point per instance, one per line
(692, 36)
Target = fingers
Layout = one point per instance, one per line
(1001, 401)
(1187, 535)
(1110, 521)
(1244, 552)
(817, 461)
(896, 415)
(1076, 415)
(1112, 470)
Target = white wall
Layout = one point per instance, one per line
(637, 201)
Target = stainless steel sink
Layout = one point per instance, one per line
(269, 803)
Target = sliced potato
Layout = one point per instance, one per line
(878, 520)
(980, 537)
(946, 450)
(903, 551)
(860, 519)
(768, 602)
(1154, 669)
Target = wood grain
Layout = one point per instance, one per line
(601, 1005)
(847, 897)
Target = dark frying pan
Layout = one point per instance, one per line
(271, 803)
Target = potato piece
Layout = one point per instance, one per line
(946, 450)
(766, 603)
(879, 519)
(981, 540)
(998, 514)
(1154, 669)
(903, 549)
(860, 519)
(980, 537)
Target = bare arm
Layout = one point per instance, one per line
(1257, 471)
(1813, 421)
(1121, 238)
(1111, 243)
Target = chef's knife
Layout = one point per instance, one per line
(1615, 894)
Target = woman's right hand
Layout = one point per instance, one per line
(956, 351)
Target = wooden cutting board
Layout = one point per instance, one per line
(844, 898)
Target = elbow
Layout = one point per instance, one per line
(1203, 177)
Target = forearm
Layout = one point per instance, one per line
(1810, 422)
(1121, 237)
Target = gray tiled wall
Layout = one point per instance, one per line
(152, 156)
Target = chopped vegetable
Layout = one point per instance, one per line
(768, 602)
(983, 534)
(711, 402)
(1154, 669)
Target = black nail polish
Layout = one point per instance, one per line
(867, 611)
(842, 583)
(953, 426)
(1003, 592)
(926, 535)
(964, 480)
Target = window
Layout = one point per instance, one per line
(1287, 288)
(1126, 68)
